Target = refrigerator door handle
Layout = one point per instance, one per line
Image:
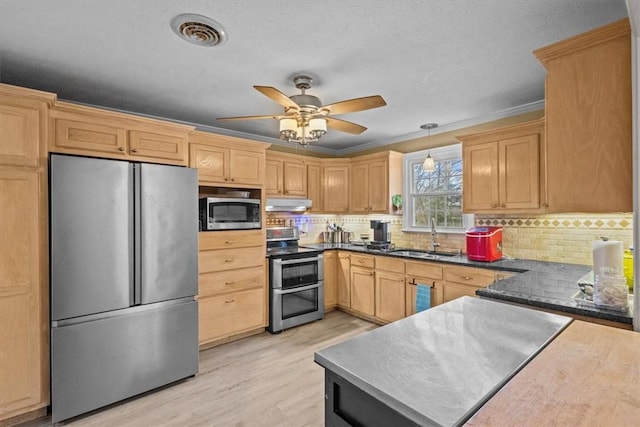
(137, 235)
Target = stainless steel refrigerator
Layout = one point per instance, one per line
(124, 273)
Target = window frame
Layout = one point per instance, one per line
(448, 152)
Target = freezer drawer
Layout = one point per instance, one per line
(104, 360)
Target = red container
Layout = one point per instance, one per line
(484, 243)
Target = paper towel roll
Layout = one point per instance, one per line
(607, 254)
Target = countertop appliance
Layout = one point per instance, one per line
(381, 235)
(296, 280)
(484, 243)
(229, 213)
(124, 273)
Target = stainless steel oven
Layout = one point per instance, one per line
(296, 279)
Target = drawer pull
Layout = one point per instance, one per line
(494, 205)
(121, 148)
(134, 150)
(228, 301)
(503, 205)
(228, 260)
(230, 242)
(467, 277)
(361, 261)
(371, 273)
(229, 283)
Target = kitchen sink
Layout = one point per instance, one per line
(421, 254)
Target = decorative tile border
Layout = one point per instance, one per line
(622, 221)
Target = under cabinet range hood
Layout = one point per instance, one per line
(287, 205)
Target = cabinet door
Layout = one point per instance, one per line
(456, 290)
(87, 137)
(19, 132)
(221, 316)
(343, 281)
(168, 148)
(519, 166)
(212, 163)
(378, 191)
(314, 187)
(390, 296)
(359, 188)
(246, 167)
(336, 189)
(480, 169)
(363, 290)
(21, 327)
(273, 178)
(412, 290)
(294, 178)
(330, 279)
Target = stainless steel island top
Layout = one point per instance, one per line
(439, 366)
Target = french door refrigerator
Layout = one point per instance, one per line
(124, 273)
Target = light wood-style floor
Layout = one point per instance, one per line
(263, 380)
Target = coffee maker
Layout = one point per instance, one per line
(381, 235)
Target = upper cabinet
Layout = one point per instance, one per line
(233, 162)
(335, 188)
(588, 121)
(374, 179)
(314, 186)
(286, 175)
(503, 169)
(77, 129)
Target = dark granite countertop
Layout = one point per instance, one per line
(549, 285)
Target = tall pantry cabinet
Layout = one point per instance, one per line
(24, 344)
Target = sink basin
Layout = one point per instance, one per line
(420, 254)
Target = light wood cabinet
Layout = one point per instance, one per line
(77, 129)
(24, 271)
(437, 290)
(374, 179)
(363, 290)
(390, 296)
(335, 189)
(233, 162)
(343, 280)
(503, 169)
(460, 281)
(330, 279)
(286, 175)
(314, 187)
(232, 284)
(588, 114)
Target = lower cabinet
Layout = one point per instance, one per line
(330, 279)
(343, 279)
(232, 289)
(390, 296)
(461, 281)
(363, 290)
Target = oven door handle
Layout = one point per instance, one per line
(294, 290)
(297, 260)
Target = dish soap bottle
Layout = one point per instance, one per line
(627, 262)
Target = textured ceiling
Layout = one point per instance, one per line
(431, 60)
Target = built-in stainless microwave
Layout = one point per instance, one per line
(227, 213)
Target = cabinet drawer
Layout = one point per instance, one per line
(390, 264)
(230, 239)
(362, 261)
(468, 276)
(424, 269)
(218, 282)
(225, 315)
(230, 259)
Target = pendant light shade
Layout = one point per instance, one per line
(429, 165)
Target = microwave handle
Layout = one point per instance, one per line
(297, 260)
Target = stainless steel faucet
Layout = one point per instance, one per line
(434, 233)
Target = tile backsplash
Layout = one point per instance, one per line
(551, 237)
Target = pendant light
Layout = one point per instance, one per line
(429, 164)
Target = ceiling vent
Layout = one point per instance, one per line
(198, 29)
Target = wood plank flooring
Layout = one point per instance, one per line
(263, 380)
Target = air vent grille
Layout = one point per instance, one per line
(198, 29)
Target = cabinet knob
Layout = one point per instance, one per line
(545, 205)
(226, 179)
(233, 179)
(228, 301)
(121, 148)
(134, 150)
(228, 260)
(230, 242)
(503, 205)
(229, 283)
(467, 277)
(371, 273)
(494, 205)
(286, 192)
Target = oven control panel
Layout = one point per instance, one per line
(282, 233)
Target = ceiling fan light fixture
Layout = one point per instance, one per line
(288, 128)
(317, 127)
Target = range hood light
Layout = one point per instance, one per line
(287, 205)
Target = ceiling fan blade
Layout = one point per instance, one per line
(248, 118)
(277, 96)
(344, 126)
(356, 104)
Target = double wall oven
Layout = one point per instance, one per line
(296, 280)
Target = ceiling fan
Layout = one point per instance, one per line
(305, 119)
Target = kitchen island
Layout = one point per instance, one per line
(434, 368)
